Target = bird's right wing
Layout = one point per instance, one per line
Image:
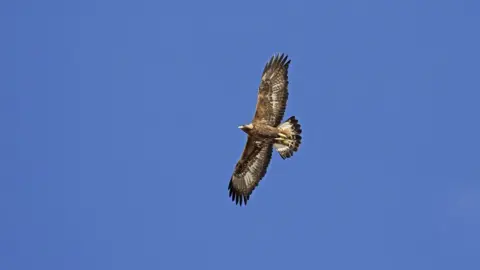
(250, 170)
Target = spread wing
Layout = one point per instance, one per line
(250, 169)
(273, 91)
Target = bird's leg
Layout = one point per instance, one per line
(283, 141)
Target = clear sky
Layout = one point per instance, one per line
(119, 135)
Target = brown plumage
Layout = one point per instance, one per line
(266, 131)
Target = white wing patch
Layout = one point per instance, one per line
(256, 168)
(277, 97)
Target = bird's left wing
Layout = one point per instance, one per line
(250, 170)
(273, 91)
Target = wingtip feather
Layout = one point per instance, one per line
(236, 196)
(277, 60)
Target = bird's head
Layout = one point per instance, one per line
(246, 128)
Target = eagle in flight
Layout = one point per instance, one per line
(266, 131)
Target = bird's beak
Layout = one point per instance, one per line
(240, 127)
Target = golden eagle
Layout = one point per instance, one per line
(266, 131)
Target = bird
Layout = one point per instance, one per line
(266, 131)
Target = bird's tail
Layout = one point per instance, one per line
(289, 139)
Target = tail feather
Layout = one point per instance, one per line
(289, 145)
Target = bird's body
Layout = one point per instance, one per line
(262, 131)
(266, 131)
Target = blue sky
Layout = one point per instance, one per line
(119, 135)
